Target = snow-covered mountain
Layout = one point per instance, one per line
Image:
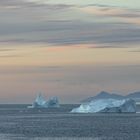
(104, 95)
(134, 95)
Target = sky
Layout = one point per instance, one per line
(72, 49)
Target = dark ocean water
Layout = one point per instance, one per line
(19, 123)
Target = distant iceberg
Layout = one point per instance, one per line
(107, 105)
(40, 102)
(53, 102)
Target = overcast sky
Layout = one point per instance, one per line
(67, 48)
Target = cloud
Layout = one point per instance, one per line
(123, 14)
(69, 83)
(62, 24)
(30, 69)
(6, 50)
(7, 56)
(67, 33)
(135, 51)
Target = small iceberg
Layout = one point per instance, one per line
(40, 102)
(107, 106)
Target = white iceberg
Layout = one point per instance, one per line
(53, 102)
(40, 102)
(107, 105)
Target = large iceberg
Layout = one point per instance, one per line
(40, 102)
(107, 105)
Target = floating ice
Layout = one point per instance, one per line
(40, 102)
(107, 105)
(53, 102)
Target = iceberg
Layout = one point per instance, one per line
(106, 106)
(40, 102)
(53, 102)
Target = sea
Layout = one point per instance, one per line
(17, 122)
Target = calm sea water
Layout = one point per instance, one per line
(19, 123)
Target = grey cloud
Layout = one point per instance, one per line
(80, 74)
(49, 24)
(26, 4)
(30, 69)
(6, 56)
(130, 15)
(106, 7)
(134, 51)
(72, 32)
(74, 82)
(6, 50)
(10, 2)
(106, 46)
